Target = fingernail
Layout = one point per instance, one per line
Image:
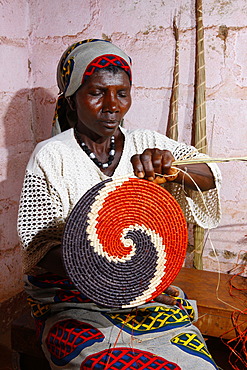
(140, 175)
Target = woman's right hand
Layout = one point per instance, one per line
(152, 162)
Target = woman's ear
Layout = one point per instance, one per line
(71, 102)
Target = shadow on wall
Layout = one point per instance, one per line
(28, 120)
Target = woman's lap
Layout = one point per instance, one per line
(154, 337)
(77, 334)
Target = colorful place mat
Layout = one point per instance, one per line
(124, 242)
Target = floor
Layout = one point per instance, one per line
(5, 351)
(218, 350)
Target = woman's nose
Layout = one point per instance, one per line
(110, 103)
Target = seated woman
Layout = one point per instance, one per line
(94, 78)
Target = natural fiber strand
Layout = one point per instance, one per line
(237, 345)
(117, 339)
(211, 243)
(241, 338)
(118, 336)
(199, 160)
(208, 160)
(172, 126)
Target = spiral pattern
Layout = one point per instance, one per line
(124, 242)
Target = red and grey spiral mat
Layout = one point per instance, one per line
(124, 242)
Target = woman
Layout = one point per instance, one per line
(94, 77)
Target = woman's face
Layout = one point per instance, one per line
(101, 103)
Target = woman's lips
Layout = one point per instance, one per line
(110, 124)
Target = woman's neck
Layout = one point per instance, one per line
(101, 146)
(97, 144)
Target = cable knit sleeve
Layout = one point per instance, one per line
(202, 208)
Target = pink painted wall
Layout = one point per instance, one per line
(33, 35)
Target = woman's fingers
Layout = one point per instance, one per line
(159, 180)
(169, 296)
(137, 166)
(171, 290)
(143, 165)
(150, 162)
(167, 159)
(165, 299)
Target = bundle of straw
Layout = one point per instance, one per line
(208, 160)
(199, 139)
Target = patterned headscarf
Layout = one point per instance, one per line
(78, 63)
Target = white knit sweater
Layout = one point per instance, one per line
(60, 172)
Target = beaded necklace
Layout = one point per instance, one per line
(92, 156)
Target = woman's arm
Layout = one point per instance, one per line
(40, 220)
(196, 174)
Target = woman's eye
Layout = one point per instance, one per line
(122, 94)
(95, 93)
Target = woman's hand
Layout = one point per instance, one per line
(157, 161)
(169, 296)
(53, 262)
(153, 161)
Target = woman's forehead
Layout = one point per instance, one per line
(105, 77)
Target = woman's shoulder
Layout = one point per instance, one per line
(63, 138)
(55, 144)
(52, 149)
(148, 136)
(136, 131)
(144, 138)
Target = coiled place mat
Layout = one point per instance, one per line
(124, 242)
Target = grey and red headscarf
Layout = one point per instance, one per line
(78, 63)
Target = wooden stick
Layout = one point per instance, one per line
(172, 125)
(199, 139)
(199, 131)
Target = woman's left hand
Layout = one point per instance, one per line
(169, 297)
(152, 162)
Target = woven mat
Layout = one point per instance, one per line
(124, 242)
